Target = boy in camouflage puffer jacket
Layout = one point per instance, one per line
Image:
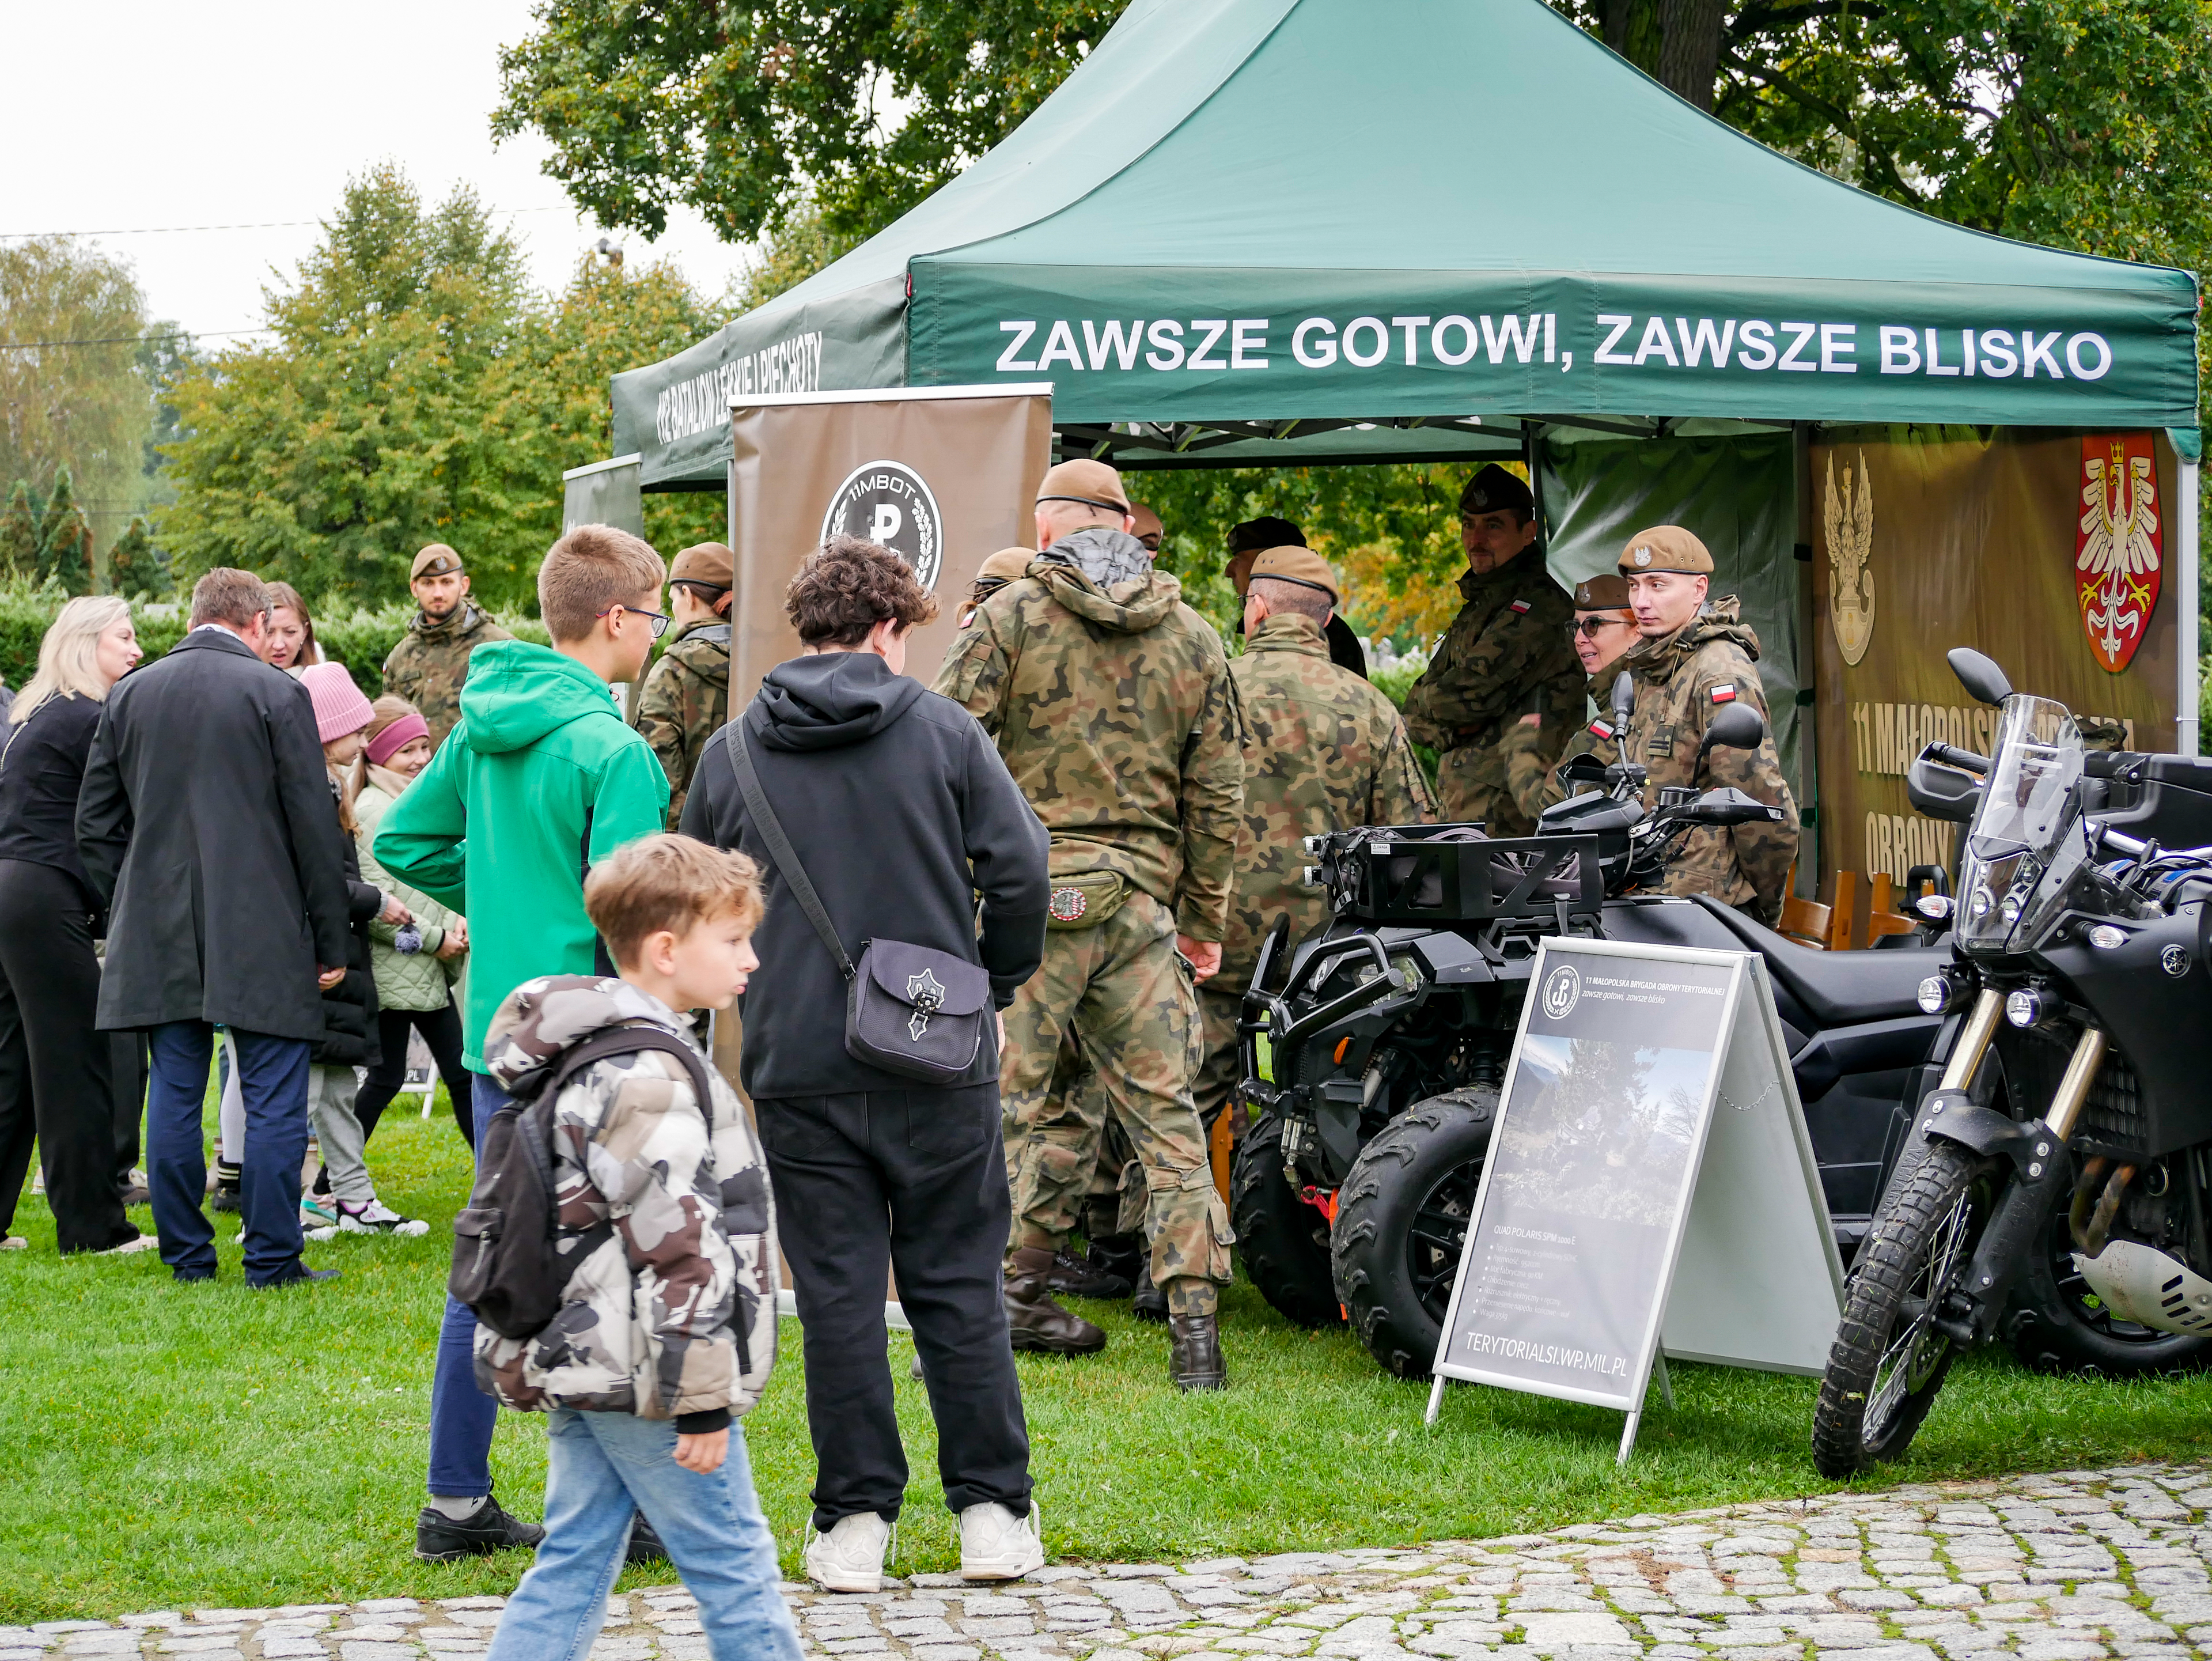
(667, 1323)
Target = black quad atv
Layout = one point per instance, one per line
(1374, 1050)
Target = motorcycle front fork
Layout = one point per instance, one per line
(2043, 1169)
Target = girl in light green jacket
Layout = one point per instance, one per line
(418, 966)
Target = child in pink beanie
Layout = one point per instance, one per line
(344, 1198)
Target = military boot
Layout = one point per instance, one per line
(1118, 1254)
(1194, 1358)
(1034, 1321)
(1149, 1303)
(1080, 1276)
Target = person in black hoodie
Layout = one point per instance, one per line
(902, 814)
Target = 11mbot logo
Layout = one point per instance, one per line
(888, 503)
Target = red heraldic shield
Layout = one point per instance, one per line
(2119, 551)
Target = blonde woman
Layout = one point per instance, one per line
(54, 1064)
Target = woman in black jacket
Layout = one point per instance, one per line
(54, 1065)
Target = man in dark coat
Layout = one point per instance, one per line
(205, 822)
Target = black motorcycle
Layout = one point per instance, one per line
(2061, 1171)
(1374, 1050)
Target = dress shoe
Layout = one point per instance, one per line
(1078, 1277)
(1194, 1356)
(298, 1275)
(442, 1539)
(1034, 1321)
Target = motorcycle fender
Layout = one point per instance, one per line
(2023, 1211)
(1951, 1116)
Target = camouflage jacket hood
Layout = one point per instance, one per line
(457, 625)
(1128, 608)
(1721, 619)
(667, 1225)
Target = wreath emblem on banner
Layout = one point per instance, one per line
(1848, 517)
(2119, 549)
(889, 504)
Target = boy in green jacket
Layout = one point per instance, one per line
(540, 781)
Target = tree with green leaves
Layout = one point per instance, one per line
(414, 391)
(65, 538)
(747, 112)
(18, 533)
(134, 565)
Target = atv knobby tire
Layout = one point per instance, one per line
(2056, 1324)
(1401, 1222)
(1888, 1361)
(1284, 1241)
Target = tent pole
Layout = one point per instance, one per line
(2186, 737)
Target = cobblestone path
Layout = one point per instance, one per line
(2075, 1566)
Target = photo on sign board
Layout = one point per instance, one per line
(1600, 1130)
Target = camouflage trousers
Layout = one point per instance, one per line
(1121, 989)
(1471, 785)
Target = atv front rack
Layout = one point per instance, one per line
(1435, 875)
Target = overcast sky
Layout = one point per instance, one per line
(131, 115)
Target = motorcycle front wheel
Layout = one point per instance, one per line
(1888, 1359)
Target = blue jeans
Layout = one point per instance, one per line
(273, 1079)
(601, 1467)
(462, 1416)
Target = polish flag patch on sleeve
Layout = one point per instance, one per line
(1724, 693)
(1602, 728)
(1520, 606)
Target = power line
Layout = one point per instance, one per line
(124, 339)
(257, 225)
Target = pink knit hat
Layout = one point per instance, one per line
(339, 707)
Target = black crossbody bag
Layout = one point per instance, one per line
(909, 1009)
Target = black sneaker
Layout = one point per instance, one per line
(226, 1180)
(645, 1545)
(1078, 1277)
(439, 1539)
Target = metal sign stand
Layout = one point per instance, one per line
(1651, 1189)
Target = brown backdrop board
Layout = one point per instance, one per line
(1925, 538)
(943, 476)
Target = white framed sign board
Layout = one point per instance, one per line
(1649, 1191)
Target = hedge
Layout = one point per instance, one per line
(361, 639)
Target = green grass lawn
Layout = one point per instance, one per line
(166, 1446)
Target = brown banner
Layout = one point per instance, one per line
(2044, 551)
(943, 481)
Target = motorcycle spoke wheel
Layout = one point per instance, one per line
(1888, 1360)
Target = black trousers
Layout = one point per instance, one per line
(442, 1031)
(55, 1082)
(127, 1069)
(913, 1180)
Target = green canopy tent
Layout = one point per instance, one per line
(1285, 232)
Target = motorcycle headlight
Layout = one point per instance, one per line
(2024, 1007)
(1934, 996)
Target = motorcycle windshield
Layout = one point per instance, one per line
(2025, 808)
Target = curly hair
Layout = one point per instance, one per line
(846, 587)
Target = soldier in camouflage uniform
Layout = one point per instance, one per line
(992, 574)
(1323, 749)
(1605, 633)
(1505, 656)
(686, 698)
(431, 661)
(1698, 656)
(1111, 703)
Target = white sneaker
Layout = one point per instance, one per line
(850, 1557)
(143, 1242)
(997, 1545)
(15, 1242)
(378, 1218)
